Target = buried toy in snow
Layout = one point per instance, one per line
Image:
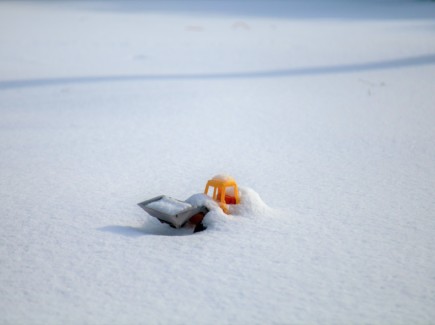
(220, 190)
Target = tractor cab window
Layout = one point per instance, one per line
(229, 195)
(224, 191)
(224, 194)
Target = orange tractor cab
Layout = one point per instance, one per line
(224, 191)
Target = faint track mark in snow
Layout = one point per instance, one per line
(414, 61)
(240, 25)
(192, 28)
(140, 57)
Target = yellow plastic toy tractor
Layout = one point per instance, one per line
(225, 191)
(177, 213)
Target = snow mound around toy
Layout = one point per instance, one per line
(251, 206)
(201, 199)
(251, 203)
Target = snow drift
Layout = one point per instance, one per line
(325, 107)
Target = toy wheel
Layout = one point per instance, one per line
(197, 218)
(199, 227)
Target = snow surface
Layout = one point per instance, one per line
(223, 177)
(169, 205)
(325, 109)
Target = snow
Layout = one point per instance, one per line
(201, 199)
(251, 205)
(322, 111)
(223, 177)
(169, 205)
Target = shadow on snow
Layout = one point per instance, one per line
(295, 72)
(150, 229)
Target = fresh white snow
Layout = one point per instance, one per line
(223, 177)
(322, 111)
(169, 205)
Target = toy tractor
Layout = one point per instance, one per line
(178, 213)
